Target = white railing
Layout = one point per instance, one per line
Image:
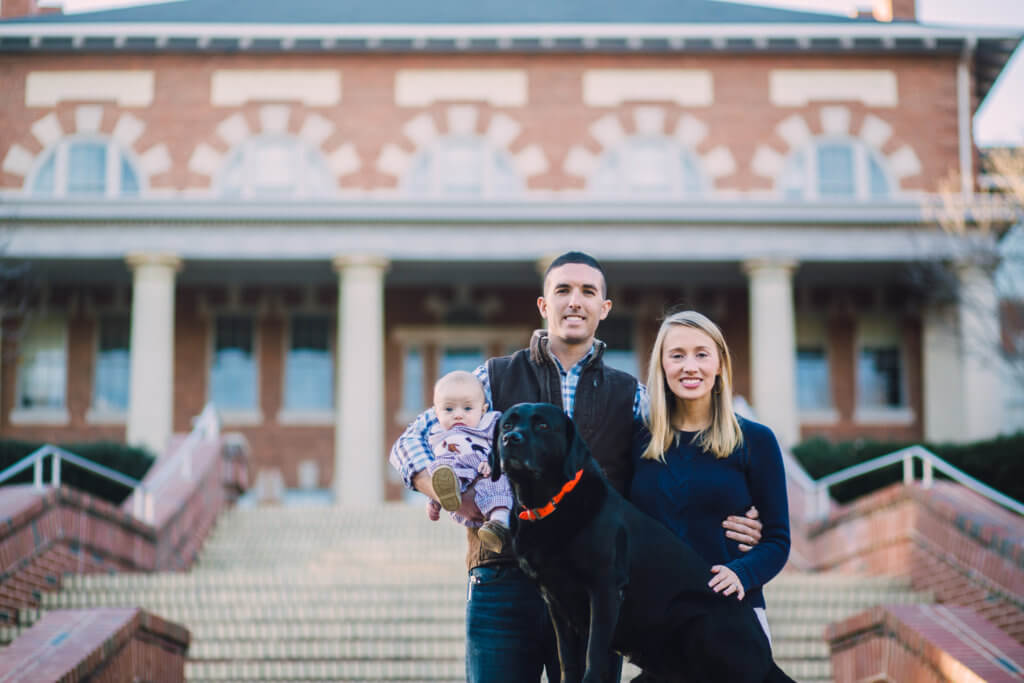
(930, 462)
(205, 426)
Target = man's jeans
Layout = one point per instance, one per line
(509, 636)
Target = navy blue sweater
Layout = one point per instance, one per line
(693, 492)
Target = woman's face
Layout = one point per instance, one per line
(691, 362)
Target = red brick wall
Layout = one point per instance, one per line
(908, 531)
(555, 118)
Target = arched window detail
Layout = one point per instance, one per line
(834, 169)
(462, 166)
(648, 166)
(274, 166)
(85, 167)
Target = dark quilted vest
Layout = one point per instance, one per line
(603, 412)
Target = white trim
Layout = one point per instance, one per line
(128, 88)
(241, 418)
(965, 144)
(54, 417)
(95, 416)
(624, 239)
(318, 418)
(550, 31)
(821, 416)
(883, 416)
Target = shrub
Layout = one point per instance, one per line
(127, 460)
(996, 462)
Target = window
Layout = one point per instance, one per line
(647, 166)
(412, 381)
(85, 167)
(309, 366)
(275, 167)
(813, 377)
(813, 388)
(467, 358)
(461, 166)
(832, 169)
(112, 382)
(42, 369)
(617, 334)
(233, 373)
(879, 383)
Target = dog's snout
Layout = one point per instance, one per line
(512, 437)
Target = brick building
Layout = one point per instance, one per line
(307, 212)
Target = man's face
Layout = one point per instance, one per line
(573, 303)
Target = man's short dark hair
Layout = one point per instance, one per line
(577, 257)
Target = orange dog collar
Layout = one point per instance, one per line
(542, 512)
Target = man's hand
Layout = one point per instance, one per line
(746, 529)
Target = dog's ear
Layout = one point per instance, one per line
(494, 457)
(575, 449)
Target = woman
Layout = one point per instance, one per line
(699, 463)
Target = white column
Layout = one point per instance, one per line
(943, 377)
(151, 401)
(981, 358)
(773, 347)
(359, 425)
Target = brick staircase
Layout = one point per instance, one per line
(321, 593)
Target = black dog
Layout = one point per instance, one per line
(614, 578)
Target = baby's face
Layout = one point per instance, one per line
(459, 406)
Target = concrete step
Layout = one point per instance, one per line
(326, 594)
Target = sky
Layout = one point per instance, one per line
(1000, 121)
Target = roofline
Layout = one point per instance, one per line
(708, 31)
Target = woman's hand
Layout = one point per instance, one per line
(726, 582)
(746, 529)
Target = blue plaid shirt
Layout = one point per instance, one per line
(412, 454)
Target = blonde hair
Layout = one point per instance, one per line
(458, 379)
(723, 435)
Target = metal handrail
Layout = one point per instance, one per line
(206, 426)
(36, 458)
(929, 462)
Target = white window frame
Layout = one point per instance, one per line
(438, 337)
(299, 150)
(235, 416)
(294, 416)
(115, 155)
(104, 416)
(435, 171)
(862, 154)
(675, 186)
(56, 416)
(812, 332)
(875, 331)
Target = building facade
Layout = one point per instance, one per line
(308, 216)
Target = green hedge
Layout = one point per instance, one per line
(129, 461)
(996, 462)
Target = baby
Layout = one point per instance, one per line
(461, 444)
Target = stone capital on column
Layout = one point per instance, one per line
(136, 259)
(343, 261)
(753, 267)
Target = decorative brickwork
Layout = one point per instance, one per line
(924, 644)
(108, 645)
(948, 540)
(44, 535)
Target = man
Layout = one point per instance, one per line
(509, 637)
